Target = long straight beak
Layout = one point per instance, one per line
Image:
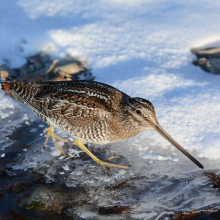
(162, 132)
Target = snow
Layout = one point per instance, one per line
(142, 48)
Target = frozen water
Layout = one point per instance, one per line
(142, 48)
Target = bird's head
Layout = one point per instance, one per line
(142, 116)
(141, 113)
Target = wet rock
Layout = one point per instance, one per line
(214, 179)
(112, 210)
(71, 69)
(32, 78)
(208, 60)
(35, 216)
(2, 196)
(52, 66)
(124, 181)
(70, 66)
(3, 171)
(211, 65)
(59, 78)
(207, 53)
(193, 215)
(17, 186)
(27, 69)
(41, 67)
(39, 59)
(51, 199)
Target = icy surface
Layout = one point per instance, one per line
(142, 48)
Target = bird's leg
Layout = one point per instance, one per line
(98, 161)
(50, 132)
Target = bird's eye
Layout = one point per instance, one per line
(138, 112)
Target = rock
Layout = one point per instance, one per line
(32, 78)
(39, 59)
(74, 66)
(207, 53)
(211, 65)
(55, 62)
(112, 210)
(208, 59)
(17, 186)
(27, 69)
(45, 199)
(59, 78)
(40, 67)
(5, 72)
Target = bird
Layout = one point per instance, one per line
(89, 111)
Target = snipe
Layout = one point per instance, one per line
(89, 111)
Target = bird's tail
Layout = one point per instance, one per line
(6, 85)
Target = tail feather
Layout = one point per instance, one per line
(6, 85)
(18, 91)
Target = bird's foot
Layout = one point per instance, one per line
(97, 160)
(50, 132)
(110, 158)
(103, 163)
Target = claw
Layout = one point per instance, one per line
(50, 132)
(110, 158)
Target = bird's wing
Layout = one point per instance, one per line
(89, 95)
(79, 104)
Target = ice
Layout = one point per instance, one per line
(56, 153)
(66, 167)
(142, 48)
(33, 130)
(74, 153)
(151, 156)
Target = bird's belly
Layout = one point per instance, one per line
(101, 132)
(96, 133)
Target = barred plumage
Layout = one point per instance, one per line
(89, 111)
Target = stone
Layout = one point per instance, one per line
(5, 72)
(207, 53)
(211, 65)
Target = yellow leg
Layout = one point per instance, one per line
(110, 158)
(98, 161)
(50, 132)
